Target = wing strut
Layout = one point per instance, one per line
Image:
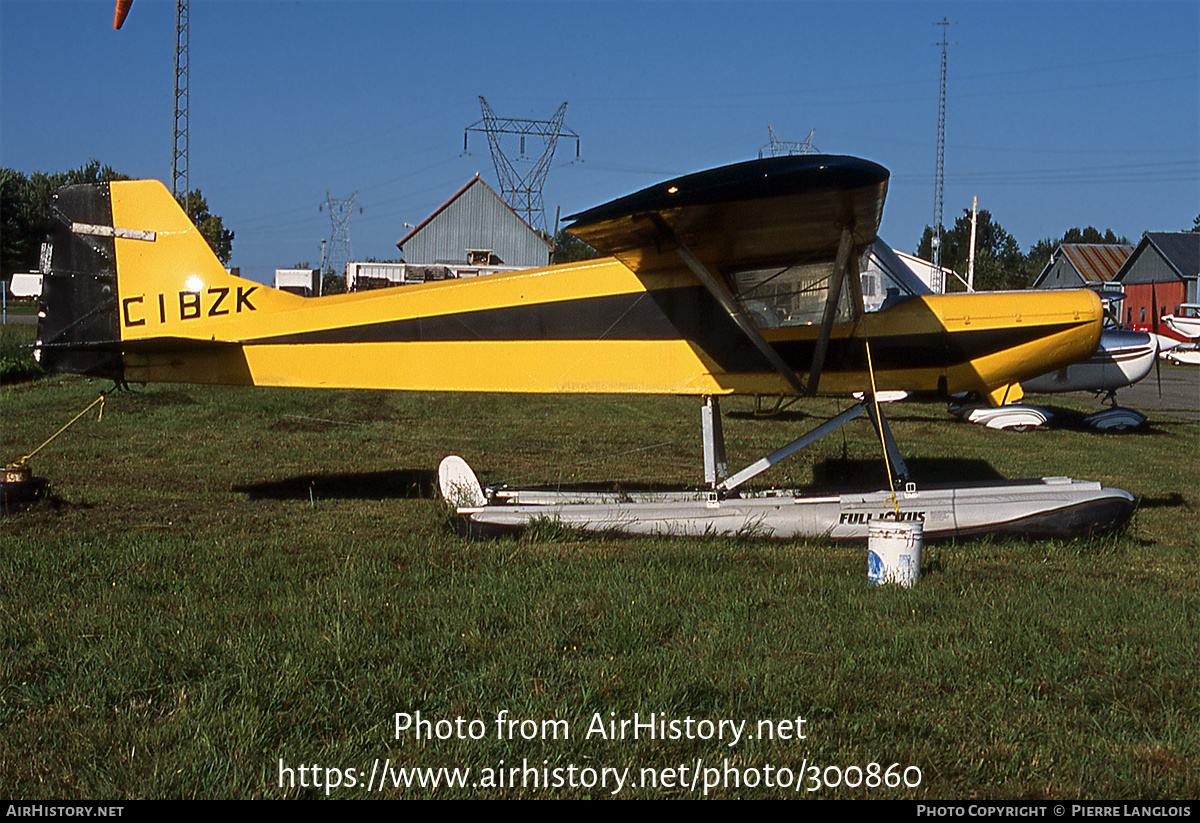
(834, 295)
(729, 303)
(895, 461)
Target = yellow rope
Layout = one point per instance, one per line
(18, 464)
(879, 425)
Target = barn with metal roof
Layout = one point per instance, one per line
(1090, 265)
(475, 227)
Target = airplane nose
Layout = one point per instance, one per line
(1007, 337)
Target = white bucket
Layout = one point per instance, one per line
(894, 552)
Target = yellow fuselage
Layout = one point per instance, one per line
(593, 326)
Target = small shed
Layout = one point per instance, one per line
(1159, 274)
(304, 282)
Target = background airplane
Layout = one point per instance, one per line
(1122, 359)
(1184, 329)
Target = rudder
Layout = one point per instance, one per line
(78, 330)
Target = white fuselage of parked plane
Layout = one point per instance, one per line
(1123, 358)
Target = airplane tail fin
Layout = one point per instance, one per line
(78, 330)
(124, 263)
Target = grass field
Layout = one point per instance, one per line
(233, 593)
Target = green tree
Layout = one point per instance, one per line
(210, 226)
(333, 283)
(92, 173)
(568, 248)
(21, 223)
(998, 258)
(25, 210)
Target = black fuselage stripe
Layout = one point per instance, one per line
(685, 313)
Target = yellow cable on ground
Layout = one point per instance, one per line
(99, 400)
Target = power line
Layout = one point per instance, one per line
(1175, 170)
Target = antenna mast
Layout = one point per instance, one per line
(522, 178)
(179, 166)
(938, 179)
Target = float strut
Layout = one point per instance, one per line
(715, 467)
(774, 457)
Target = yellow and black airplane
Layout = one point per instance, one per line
(745, 279)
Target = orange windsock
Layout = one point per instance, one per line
(120, 12)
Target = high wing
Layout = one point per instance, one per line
(727, 281)
(762, 213)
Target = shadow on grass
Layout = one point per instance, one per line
(1076, 420)
(398, 484)
(139, 398)
(1174, 500)
(407, 484)
(782, 416)
(871, 474)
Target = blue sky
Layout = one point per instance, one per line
(1058, 114)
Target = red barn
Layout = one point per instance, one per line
(1159, 275)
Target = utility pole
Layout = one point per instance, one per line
(971, 256)
(321, 279)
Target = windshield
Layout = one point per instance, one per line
(795, 295)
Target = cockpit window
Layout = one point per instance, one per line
(795, 295)
(896, 279)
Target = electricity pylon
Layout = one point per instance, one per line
(340, 211)
(522, 176)
(782, 148)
